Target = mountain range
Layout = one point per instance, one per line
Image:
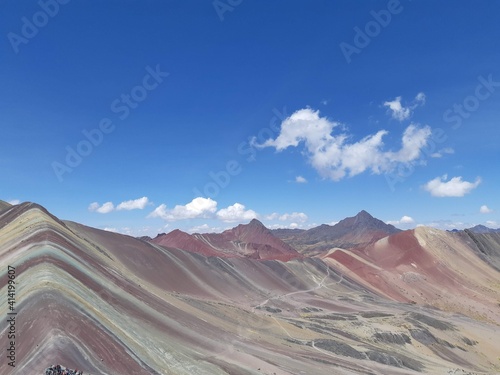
(483, 229)
(351, 232)
(252, 240)
(358, 297)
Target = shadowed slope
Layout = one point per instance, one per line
(4, 205)
(486, 245)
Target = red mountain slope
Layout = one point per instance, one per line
(252, 240)
(424, 266)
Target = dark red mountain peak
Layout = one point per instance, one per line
(255, 222)
(364, 214)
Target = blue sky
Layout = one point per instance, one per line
(146, 116)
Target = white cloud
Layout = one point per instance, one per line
(204, 228)
(400, 112)
(104, 209)
(448, 224)
(14, 201)
(333, 157)
(294, 216)
(160, 211)
(300, 180)
(236, 212)
(285, 226)
(484, 209)
(405, 220)
(93, 206)
(197, 208)
(440, 153)
(273, 216)
(135, 204)
(492, 224)
(132, 231)
(204, 208)
(455, 187)
(420, 98)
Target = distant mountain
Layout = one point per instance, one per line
(483, 229)
(181, 240)
(355, 231)
(252, 240)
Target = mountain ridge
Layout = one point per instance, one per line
(351, 232)
(106, 296)
(252, 240)
(483, 229)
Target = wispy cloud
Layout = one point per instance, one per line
(400, 112)
(134, 204)
(300, 180)
(204, 228)
(442, 152)
(294, 216)
(448, 224)
(284, 226)
(102, 209)
(492, 224)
